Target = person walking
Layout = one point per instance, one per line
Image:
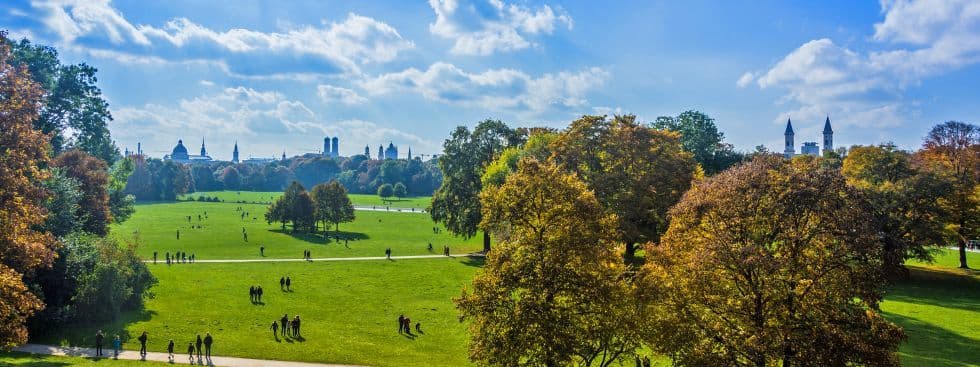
(168, 257)
(178, 234)
(208, 340)
(408, 326)
(99, 338)
(285, 321)
(401, 324)
(198, 345)
(251, 294)
(296, 326)
(142, 339)
(288, 284)
(262, 251)
(282, 283)
(258, 293)
(190, 352)
(116, 345)
(275, 330)
(170, 350)
(154, 257)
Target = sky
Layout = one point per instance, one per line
(279, 76)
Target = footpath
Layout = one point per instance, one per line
(368, 258)
(162, 357)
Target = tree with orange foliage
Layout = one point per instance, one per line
(23, 156)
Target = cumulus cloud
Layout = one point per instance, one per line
(917, 40)
(495, 89)
(265, 121)
(330, 93)
(342, 46)
(484, 28)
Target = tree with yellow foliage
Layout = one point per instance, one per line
(23, 157)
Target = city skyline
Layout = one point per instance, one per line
(276, 74)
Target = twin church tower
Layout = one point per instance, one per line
(809, 147)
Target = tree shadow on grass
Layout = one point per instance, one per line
(83, 334)
(321, 238)
(930, 345)
(937, 288)
(475, 261)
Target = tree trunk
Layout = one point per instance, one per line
(962, 243)
(337, 228)
(486, 242)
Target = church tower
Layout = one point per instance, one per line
(367, 152)
(326, 146)
(234, 154)
(409, 153)
(790, 150)
(828, 137)
(204, 152)
(334, 152)
(381, 152)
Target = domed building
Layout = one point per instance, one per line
(179, 154)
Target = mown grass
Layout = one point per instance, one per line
(17, 359)
(220, 233)
(349, 311)
(264, 197)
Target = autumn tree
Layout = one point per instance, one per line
(904, 201)
(93, 178)
(332, 204)
(552, 291)
(23, 157)
(456, 204)
(770, 263)
(635, 171)
(952, 150)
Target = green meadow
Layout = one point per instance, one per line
(419, 203)
(349, 308)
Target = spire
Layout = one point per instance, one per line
(234, 154)
(826, 127)
(204, 152)
(789, 127)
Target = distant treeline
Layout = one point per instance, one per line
(155, 179)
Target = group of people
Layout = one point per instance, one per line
(202, 345)
(100, 339)
(388, 253)
(289, 327)
(405, 325)
(177, 258)
(255, 293)
(284, 283)
(307, 255)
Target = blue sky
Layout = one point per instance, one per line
(281, 76)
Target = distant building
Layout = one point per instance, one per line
(391, 152)
(179, 155)
(335, 151)
(381, 152)
(234, 154)
(809, 147)
(367, 152)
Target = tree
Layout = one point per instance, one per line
(385, 192)
(904, 200)
(296, 206)
(771, 261)
(552, 291)
(399, 190)
(456, 202)
(74, 114)
(63, 204)
(23, 158)
(332, 204)
(93, 179)
(700, 136)
(303, 213)
(635, 171)
(952, 150)
(121, 204)
(231, 178)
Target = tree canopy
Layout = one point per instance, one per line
(332, 205)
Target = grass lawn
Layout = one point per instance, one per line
(349, 311)
(939, 307)
(220, 235)
(231, 197)
(16, 359)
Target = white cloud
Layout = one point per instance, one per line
(918, 40)
(330, 93)
(206, 83)
(485, 28)
(496, 89)
(342, 46)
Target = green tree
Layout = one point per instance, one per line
(904, 201)
(399, 190)
(952, 151)
(552, 291)
(456, 202)
(700, 136)
(771, 262)
(121, 204)
(63, 205)
(74, 114)
(332, 204)
(635, 171)
(303, 213)
(386, 191)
